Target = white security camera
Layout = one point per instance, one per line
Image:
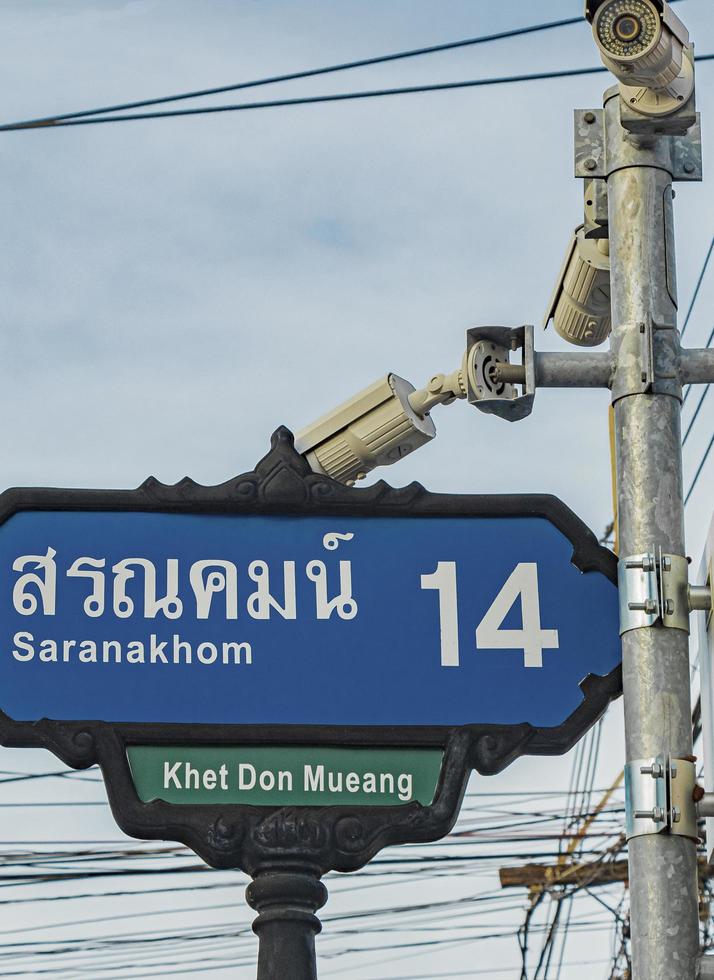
(646, 46)
(580, 306)
(380, 425)
(376, 427)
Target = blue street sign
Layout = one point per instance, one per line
(280, 619)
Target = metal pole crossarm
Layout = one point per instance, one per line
(556, 370)
(705, 968)
(596, 370)
(578, 875)
(697, 366)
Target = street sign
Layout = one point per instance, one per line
(247, 619)
(216, 648)
(285, 775)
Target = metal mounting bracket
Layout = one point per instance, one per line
(596, 224)
(590, 158)
(486, 349)
(659, 797)
(647, 363)
(687, 154)
(638, 590)
(655, 587)
(674, 591)
(681, 152)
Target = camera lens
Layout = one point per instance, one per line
(627, 28)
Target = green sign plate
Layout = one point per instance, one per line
(277, 776)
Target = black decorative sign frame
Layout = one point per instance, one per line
(341, 838)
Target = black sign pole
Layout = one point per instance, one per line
(286, 900)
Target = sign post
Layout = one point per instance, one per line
(286, 674)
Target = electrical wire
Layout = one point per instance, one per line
(693, 484)
(308, 73)
(696, 413)
(310, 99)
(317, 99)
(698, 286)
(144, 954)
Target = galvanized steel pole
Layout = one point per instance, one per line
(662, 866)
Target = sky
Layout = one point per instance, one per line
(173, 290)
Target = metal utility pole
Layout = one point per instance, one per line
(656, 681)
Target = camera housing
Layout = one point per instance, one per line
(374, 428)
(646, 46)
(580, 305)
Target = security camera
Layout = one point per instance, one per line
(645, 45)
(380, 425)
(580, 306)
(376, 427)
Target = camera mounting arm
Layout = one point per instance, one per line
(391, 418)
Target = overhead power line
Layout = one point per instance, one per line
(700, 402)
(311, 72)
(698, 286)
(308, 72)
(705, 457)
(54, 123)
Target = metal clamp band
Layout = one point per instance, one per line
(655, 587)
(659, 797)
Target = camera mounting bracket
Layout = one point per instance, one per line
(487, 349)
(596, 157)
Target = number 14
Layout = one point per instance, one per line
(521, 583)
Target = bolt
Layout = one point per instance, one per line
(589, 117)
(655, 770)
(669, 607)
(649, 606)
(645, 563)
(590, 164)
(656, 814)
(667, 563)
(689, 167)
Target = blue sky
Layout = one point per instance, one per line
(174, 290)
